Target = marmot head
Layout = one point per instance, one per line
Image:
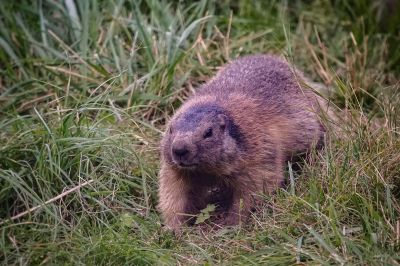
(203, 138)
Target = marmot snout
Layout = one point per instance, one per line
(233, 138)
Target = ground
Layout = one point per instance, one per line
(87, 86)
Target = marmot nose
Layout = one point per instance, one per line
(180, 151)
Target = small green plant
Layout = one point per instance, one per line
(205, 214)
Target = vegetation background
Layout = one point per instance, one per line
(86, 88)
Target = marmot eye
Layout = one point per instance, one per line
(208, 133)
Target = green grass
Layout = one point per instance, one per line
(86, 88)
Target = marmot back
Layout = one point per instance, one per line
(230, 141)
(261, 76)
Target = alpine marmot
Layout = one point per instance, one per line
(230, 141)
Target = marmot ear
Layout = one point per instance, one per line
(222, 120)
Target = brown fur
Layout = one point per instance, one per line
(259, 117)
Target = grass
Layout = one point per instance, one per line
(86, 88)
